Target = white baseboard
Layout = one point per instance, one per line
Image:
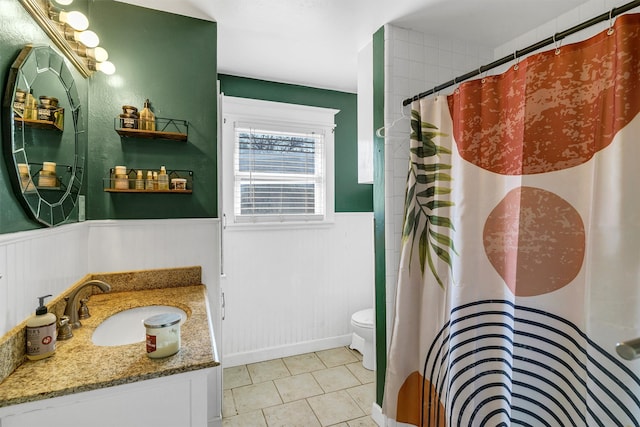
(376, 415)
(214, 422)
(229, 360)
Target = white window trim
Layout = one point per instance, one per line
(275, 115)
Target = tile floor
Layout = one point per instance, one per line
(325, 388)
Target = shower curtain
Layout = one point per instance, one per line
(520, 263)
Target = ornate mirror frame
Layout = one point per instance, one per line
(50, 205)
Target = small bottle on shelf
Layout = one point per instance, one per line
(31, 107)
(149, 182)
(147, 120)
(163, 179)
(155, 180)
(139, 181)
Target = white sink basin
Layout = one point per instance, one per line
(127, 327)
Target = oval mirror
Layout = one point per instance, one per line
(42, 124)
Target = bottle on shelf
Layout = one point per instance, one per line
(19, 102)
(31, 107)
(163, 179)
(155, 180)
(147, 120)
(148, 185)
(139, 181)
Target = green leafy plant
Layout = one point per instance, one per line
(427, 181)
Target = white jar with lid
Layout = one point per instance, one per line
(163, 335)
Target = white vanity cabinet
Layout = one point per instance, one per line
(173, 401)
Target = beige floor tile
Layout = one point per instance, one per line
(364, 375)
(228, 405)
(293, 414)
(267, 371)
(333, 379)
(298, 387)
(236, 376)
(363, 422)
(336, 407)
(250, 419)
(303, 363)
(336, 356)
(257, 396)
(340, 425)
(364, 396)
(356, 353)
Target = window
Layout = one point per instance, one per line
(278, 159)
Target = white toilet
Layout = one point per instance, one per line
(362, 323)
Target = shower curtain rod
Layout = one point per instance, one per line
(527, 50)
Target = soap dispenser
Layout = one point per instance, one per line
(41, 333)
(147, 118)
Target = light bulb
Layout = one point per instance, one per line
(106, 67)
(98, 53)
(75, 20)
(64, 2)
(87, 38)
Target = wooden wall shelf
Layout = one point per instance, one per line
(39, 124)
(113, 190)
(171, 129)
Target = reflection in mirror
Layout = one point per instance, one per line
(42, 123)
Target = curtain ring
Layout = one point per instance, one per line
(483, 78)
(557, 44)
(611, 30)
(515, 57)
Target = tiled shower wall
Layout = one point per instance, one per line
(416, 62)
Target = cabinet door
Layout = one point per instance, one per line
(164, 402)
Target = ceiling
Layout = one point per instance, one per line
(316, 42)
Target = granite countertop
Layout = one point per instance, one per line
(78, 365)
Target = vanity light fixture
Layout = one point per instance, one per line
(97, 53)
(88, 38)
(105, 66)
(69, 31)
(74, 19)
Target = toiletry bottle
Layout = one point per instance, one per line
(139, 181)
(155, 180)
(41, 333)
(18, 102)
(163, 179)
(149, 183)
(147, 118)
(31, 107)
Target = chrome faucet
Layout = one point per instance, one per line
(72, 301)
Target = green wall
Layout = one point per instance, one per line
(18, 29)
(171, 60)
(350, 196)
(379, 214)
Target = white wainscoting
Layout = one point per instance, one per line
(291, 291)
(36, 263)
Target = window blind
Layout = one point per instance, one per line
(278, 173)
